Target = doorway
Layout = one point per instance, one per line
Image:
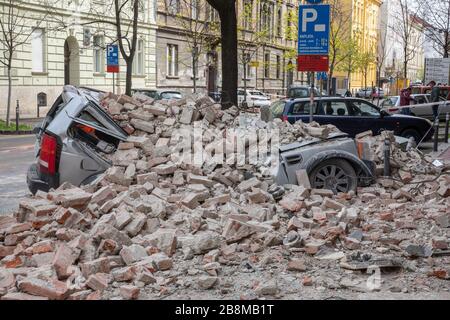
(71, 62)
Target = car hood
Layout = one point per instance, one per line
(300, 144)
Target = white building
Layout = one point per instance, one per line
(75, 54)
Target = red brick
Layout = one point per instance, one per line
(19, 296)
(43, 247)
(52, 289)
(129, 292)
(98, 281)
(18, 227)
(6, 251)
(64, 258)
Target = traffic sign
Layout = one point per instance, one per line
(322, 76)
(312, 63)
(314, 29)
(112, 59)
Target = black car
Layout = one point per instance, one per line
(353, 116)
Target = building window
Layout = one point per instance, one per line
(267, 65)
(248, 67)
(138, 64)
(279, 22)
(248, 14)
(211, 14)
(278, 67)
(99, 66)
(194, 9)
(265, 18)
(172, 60)
(38, 50)
(173, 6)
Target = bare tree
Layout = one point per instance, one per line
(125, 21)
(382, 51)
(16, 31)
(229, 41)
(251, 39)
(435, 15)
(340, 36)
(407, 28)
(199, 28)
(365, 63)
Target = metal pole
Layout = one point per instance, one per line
(17, 116)
(387, 157)
(38, 110)
(311, 117)
(447, 121)
(436, 135)
(114, 83)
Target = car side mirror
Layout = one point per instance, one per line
(37, 130)
(383, 113)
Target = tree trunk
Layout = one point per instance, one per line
(194, 71)
(8, 103)
(330, 81)
(245, 83)
(229, 43)
(129, 78)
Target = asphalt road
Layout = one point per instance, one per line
(16, 155)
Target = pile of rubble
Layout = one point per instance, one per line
(150, 228)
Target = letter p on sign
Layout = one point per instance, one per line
(309, 16)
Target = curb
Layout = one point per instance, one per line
(13, 133)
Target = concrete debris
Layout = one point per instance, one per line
(151, 226)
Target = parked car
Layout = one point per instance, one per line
(392, 105)
(444, 91)
(333, 164)
(369, 93)
(253, 98)
(353, 116)
(71, 140)
(298, 92)
(158, 94)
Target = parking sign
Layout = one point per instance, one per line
(112, 58)
(314, 30)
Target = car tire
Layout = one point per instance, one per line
(408, 133)
(334, 174)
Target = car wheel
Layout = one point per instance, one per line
(411, 133)
(334, 174)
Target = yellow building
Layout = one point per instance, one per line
(364, 28)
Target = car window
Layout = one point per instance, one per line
(148, 93)
(364, 109)
(240, 92)
(277, 109)
(335, 108)
(302, 108)
(171, 95)
(299, 93)
(256, 93)
(420, 100)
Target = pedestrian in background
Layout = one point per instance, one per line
(435, 92)
(405, 100)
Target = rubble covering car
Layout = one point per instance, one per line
(149, 228)
(78, 134)
(71, 140)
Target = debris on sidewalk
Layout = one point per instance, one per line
(150, 227)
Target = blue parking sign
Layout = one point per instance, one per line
(314, 29)
(112, 58)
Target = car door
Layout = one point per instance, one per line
(366, 116)
(337, 113)
(300, 111)
(421, 111)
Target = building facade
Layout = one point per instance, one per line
(64, 45)
(270, 66)
(365, 15)
(393, 68)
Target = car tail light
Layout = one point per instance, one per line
(47, 158)
(285, 118)
(393, 110)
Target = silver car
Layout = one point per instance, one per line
(333, 164)
(72, 141)
(420, 107)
